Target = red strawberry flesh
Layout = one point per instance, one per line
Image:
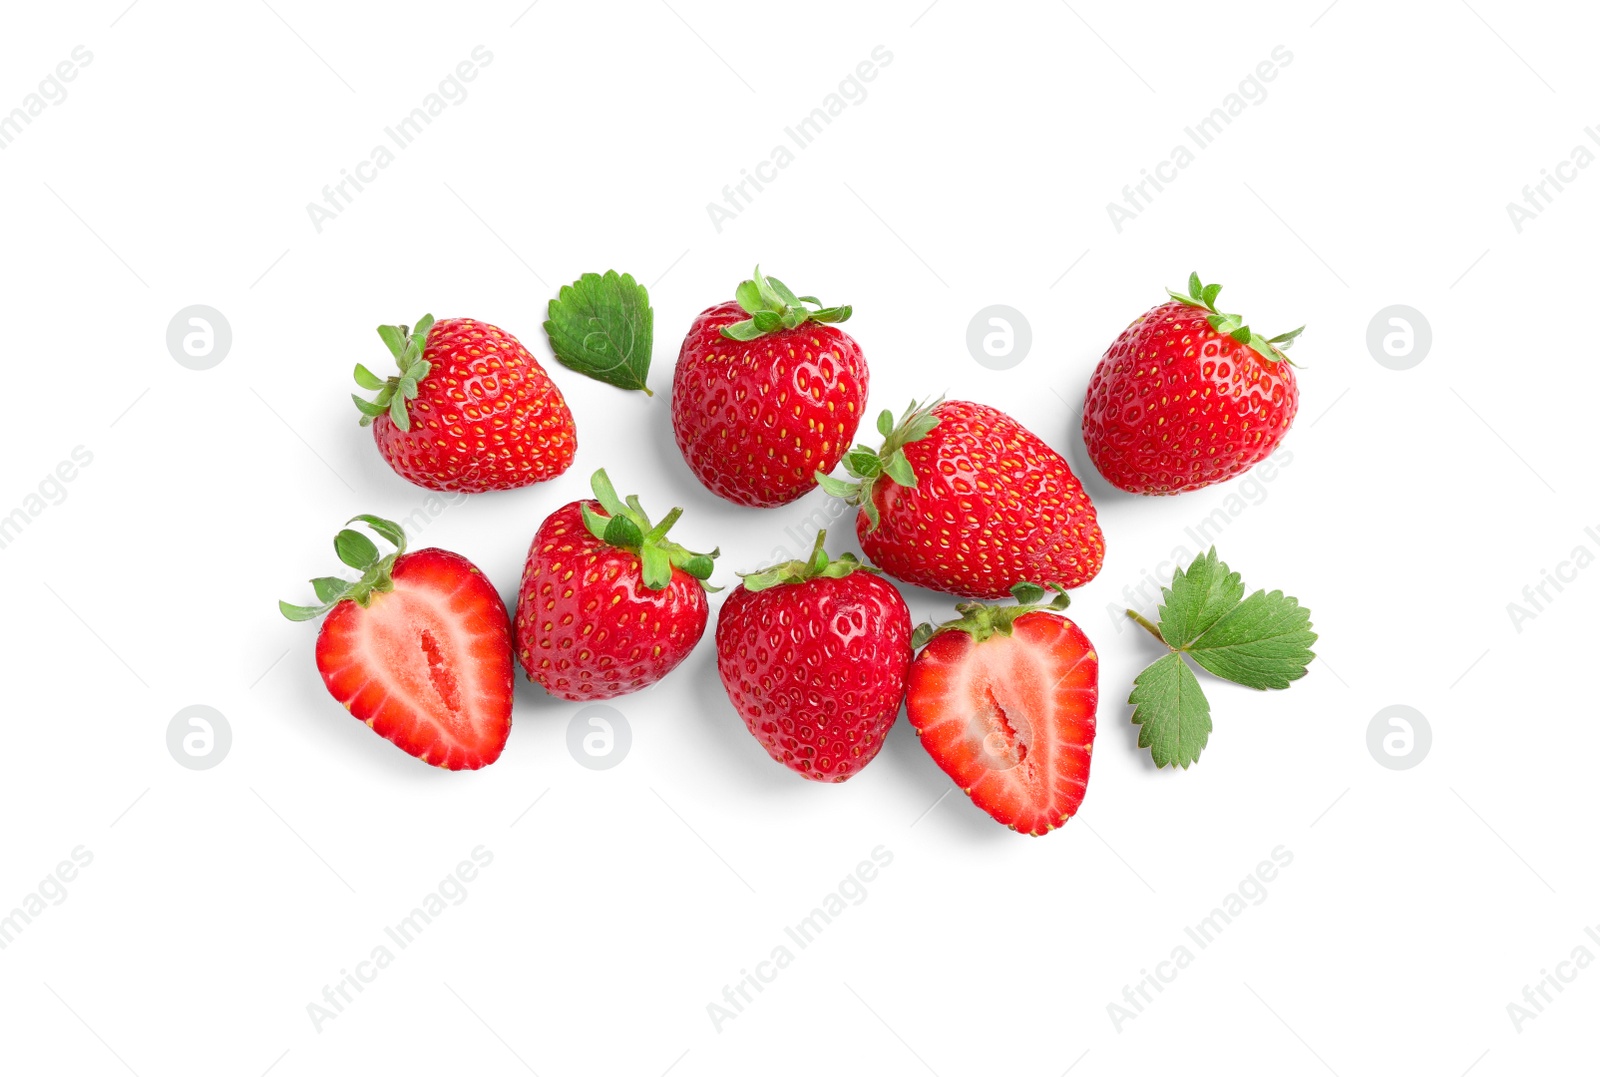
(1011, 719)
(428, 664)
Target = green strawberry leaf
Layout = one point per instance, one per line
(603, 327)
(1197, 598)
(1263, 642)
(1171, 712)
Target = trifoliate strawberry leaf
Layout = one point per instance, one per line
(1171, 712)
(603, 327)
(1263, 641)
(1197, 599)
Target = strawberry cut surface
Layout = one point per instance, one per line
(1011, 719)
(428, 664)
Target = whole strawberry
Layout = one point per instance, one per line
(1188, 396)
(1004, 700)
(813, 655)
(961, 498)
(470, 410)
(608, 606)
(418, 648)
(766, 392)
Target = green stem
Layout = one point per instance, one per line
(1139, 620)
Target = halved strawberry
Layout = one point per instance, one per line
(419, 648)
(1004, 700)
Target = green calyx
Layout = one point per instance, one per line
(1204, 297)
(407, 346)
(981, 620)
(867, 465)
(625, 526)
(773, 307)
(815, 567)
(358, 552)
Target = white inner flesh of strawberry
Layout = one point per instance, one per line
(417, 637)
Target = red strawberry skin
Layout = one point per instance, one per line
(587, 627)
(755, 420)
(1011, 719)
(428, 664)
(817, 669)
(993, 507)
(486, 417)
(1174, 405)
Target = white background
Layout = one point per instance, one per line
(1416, 506)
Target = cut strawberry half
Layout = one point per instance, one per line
(1004, 700)
(419, 648)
